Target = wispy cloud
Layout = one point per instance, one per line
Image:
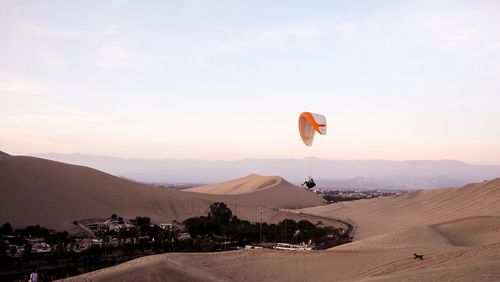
(42, 31)
(52, 118)
(23, 140)
(114, 29)
(27, 136)
(271, 36)
(12, 84)
(54, 115)
(113, 56)
(492, 45)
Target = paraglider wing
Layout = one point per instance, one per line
(309, 124)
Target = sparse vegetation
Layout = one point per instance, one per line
(220, 230)
(116, 240)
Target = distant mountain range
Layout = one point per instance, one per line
(343, 174)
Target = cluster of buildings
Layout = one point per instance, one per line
(36, 245)
(282, 246)
(333, 196)
(15, 248)
(17, 245)
(102, 225)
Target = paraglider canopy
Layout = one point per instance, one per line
(309, 124)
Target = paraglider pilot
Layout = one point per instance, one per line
(309, 183)
(309, 124)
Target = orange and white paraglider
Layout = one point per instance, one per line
(309, 125)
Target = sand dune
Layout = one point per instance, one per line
(457, 229)
(474, 231)
(426, 207)
(256, 190)
(54, 194)
(443, 264)
(248, 184)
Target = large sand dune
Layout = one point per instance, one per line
(256, 190)
(425, 207)
(457, 229)
(248, 184)
(54, 194)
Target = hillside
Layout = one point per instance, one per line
(54, 194)
(247, 184)
(256, 190)
(424, 207)
(457, 230)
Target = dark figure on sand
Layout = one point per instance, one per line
(420, 257)
(309, 183)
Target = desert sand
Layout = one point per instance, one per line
(457, 230)
(54, 194)
(418, 208)
(248, 184)
(255, 190)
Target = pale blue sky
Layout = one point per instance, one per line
(227, 79)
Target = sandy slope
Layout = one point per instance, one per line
(417, 208)
(256, 190)
(247, 184)
(458, 231)
(54, 194)
(442, 264)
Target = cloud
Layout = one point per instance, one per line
(21, 141)
(114, 29)
(492, 45)
(41, 31)
(119, 2)
(72, 114)
(271, 36)
(25, 136)
(112, 56)
(53, 117)
(63, 115)
(12, 84)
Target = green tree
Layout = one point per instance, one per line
(142, 220)
(6, 229)
(27, 249)
(5, 259)
(287, 229)
(220, 214)
(200, 226)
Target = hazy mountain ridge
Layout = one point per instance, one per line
(413, 174)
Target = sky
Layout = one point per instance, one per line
(227, 80)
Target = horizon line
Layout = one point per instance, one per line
(256, 159)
